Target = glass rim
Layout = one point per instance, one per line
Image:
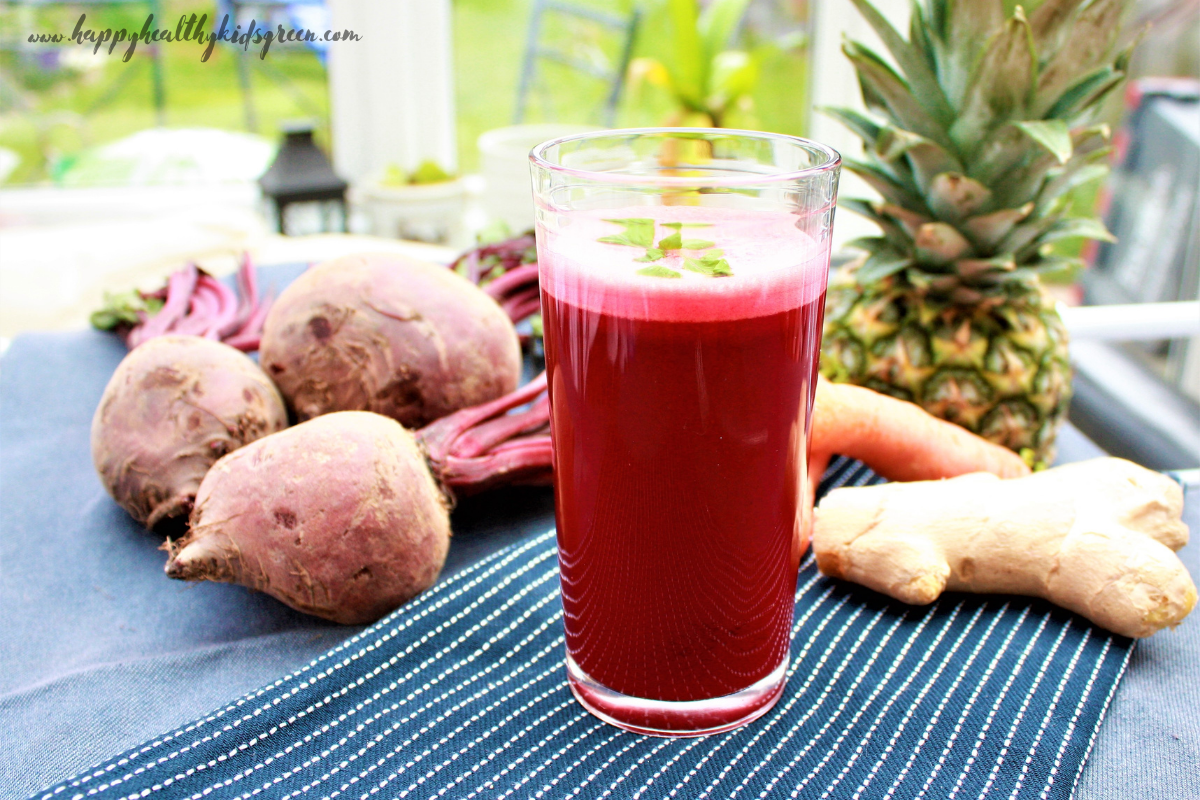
(833, 159)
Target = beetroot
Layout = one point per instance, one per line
(346, 516)
(407, 339)
(173, 407)
(337, 517)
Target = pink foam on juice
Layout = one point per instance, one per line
(775, 265)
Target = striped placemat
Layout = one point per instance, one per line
(462, 694)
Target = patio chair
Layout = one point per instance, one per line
(590, 24)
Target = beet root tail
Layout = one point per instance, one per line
(199, 558)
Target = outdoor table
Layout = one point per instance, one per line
(99, 651)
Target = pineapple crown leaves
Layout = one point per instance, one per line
(977, 126)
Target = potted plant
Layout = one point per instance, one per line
(426, 204)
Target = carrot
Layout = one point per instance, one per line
(898, 440)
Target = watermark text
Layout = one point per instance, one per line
(189, 29)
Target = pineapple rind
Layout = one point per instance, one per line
(1000, 371)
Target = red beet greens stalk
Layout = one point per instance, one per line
(484, 446)
(193, 302)
(508, 272)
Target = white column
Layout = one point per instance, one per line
(391, 93)
(833, 83)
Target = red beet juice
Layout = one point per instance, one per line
(680, 394)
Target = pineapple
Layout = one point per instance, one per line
(974, 150)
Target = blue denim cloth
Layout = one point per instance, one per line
(100, 652)
(461, 694)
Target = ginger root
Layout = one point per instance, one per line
(1096, 537)
(897, 439)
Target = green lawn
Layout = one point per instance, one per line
(47, 118)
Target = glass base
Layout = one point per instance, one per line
(677, 718)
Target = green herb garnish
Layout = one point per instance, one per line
(658, 271)
(673, 241)
(711, 265)
(637, 233)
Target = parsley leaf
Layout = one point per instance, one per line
(713, 267)
(637, 233)
(672, 242)
(658, 271)
(652, 254)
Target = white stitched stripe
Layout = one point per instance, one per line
(737, 732)
(946, 699)
(414, 612)
(825, 694)
(1087, 690)
(395, 659)
(1112, 690)
(579, 716)
(916, 703)
(912, 674)
(1016, 722)
(1062, 685)
(471, 678)
(837, 713)
(983, 681)
(987, 723)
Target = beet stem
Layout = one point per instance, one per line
(484, 446)
(526, 304)
(247, 339)
(515, 278)
(483, 437)
(506, 255)
(247, 297)
(530, 463)
(198, 304)
(180, 287)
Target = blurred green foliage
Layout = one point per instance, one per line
(51, 108)
(54, 106)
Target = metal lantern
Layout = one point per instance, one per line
(301, 174)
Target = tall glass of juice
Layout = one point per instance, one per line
(683, 276)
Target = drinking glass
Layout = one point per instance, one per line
(683, 276)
